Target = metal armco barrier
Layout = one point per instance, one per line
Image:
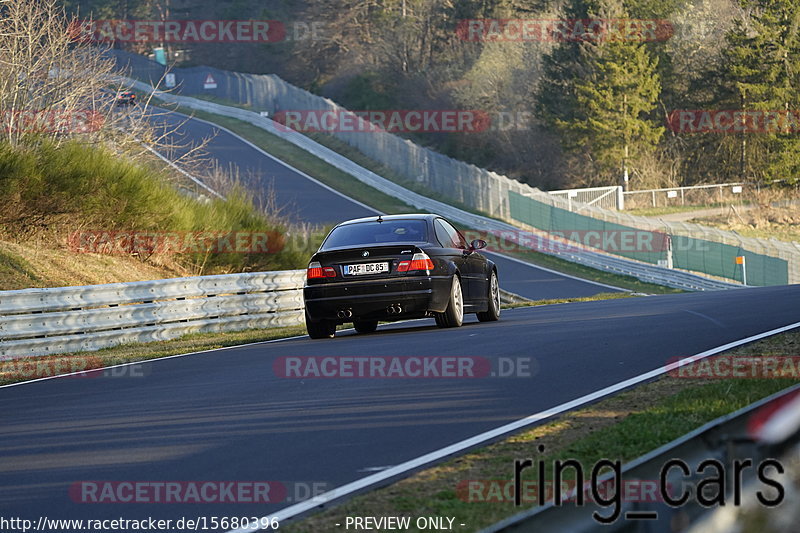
(35, 322)
(575, 253)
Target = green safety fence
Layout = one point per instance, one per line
(698, 255)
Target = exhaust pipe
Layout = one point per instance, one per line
(344, 313)
(394, 309)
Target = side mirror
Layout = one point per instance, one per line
(478, 244)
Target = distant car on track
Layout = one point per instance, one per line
(126, 98)
(397, 267)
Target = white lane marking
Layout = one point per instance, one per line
(375, 468)
(284, 163)
(557, 272)
(174, 165)
(363, 483)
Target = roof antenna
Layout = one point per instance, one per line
(380, 218)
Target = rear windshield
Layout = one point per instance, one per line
(366, 233)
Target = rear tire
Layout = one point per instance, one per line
(322, 329)
(365, 326)
(493, 313)
(453, 316)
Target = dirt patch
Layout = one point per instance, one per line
(782, 223)
(32, 264)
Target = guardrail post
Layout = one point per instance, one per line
(669, 252)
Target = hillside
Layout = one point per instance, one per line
(566, 104)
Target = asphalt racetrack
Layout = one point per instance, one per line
(233, 415)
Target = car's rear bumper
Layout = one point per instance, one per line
(370, 299)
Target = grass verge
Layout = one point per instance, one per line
(553, 301)
(624, 426)
(764, 222)
(668, 210)
(82, 199)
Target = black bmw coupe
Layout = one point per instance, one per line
(397, 267)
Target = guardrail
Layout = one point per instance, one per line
(577, 254)
(725, 439)
(35, 322)
(479, 189)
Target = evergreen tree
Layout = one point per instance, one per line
(598, 95)
(761, 72)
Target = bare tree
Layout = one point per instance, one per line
(50, 83)
(55, 83)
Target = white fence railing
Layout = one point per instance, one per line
(35, 322)
(614, 197)
(606, 197)
(677, 195)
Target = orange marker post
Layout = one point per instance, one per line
(740, 260)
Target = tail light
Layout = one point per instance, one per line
(419, 261)
(316, 271)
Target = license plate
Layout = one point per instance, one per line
(365, 268)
